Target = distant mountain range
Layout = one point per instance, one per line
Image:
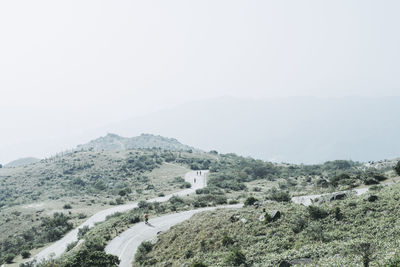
(293, 129)
(113, 142)
(21, 162)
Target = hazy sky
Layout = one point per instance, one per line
(68, 65)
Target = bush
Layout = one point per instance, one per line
(175, 200)
(316, 212)
(82, 231)
(227, 240)
(198, 264)
(141, 253)
(25, 254)
(82, 216)
(299, 224)
(235, 258)
(67, 207)
(71, 245)
(250, 201)
(87, 258)
(338, 214)
(278, 195)
(9, 258)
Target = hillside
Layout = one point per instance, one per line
(40, 202)
(21, 162)
(113, 142)
(340, 233)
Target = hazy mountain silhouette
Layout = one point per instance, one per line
(113, 142)
(295, 129)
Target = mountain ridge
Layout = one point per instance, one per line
(114, 142)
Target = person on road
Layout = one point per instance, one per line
(146, 218)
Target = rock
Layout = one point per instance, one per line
(371, 198)
(234, 218)
(154, 241)
(256, 204)
(159, 232)
(274, 215)
(284, 264)
(243, 220)
(261, 218)
(338, 196)
(368, 212)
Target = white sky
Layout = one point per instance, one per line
(67, 65)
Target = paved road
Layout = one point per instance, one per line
(125, 245)
(58, 248)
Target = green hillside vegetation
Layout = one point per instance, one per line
(78, 184)
(82, 182)
(240, 177)
(356, 231)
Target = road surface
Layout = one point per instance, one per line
(58, 248)
(125, 245)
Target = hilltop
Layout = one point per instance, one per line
(21, 162)
(114, 142)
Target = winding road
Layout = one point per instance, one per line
(125, 245)
(58, 248)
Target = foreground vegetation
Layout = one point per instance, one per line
(356, 231)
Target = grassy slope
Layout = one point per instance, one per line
(327, 241)
(40, 189)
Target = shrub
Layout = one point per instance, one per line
(82, 231)
(87, 258)
(25, 254)
(141, 253)
(9, 258)
(95, 243)
(299, 224)
(235, 258)
(143, 204)
(250, 201)
(188, 254)
(316, 212)
(338, 214)
(67, 207)
(82, 216)
(71, 245)
(198, 264)
(370, 181)
(227, 240)
(278, 195)
(176, 200)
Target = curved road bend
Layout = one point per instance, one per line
(125, 245)
(58, 248)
